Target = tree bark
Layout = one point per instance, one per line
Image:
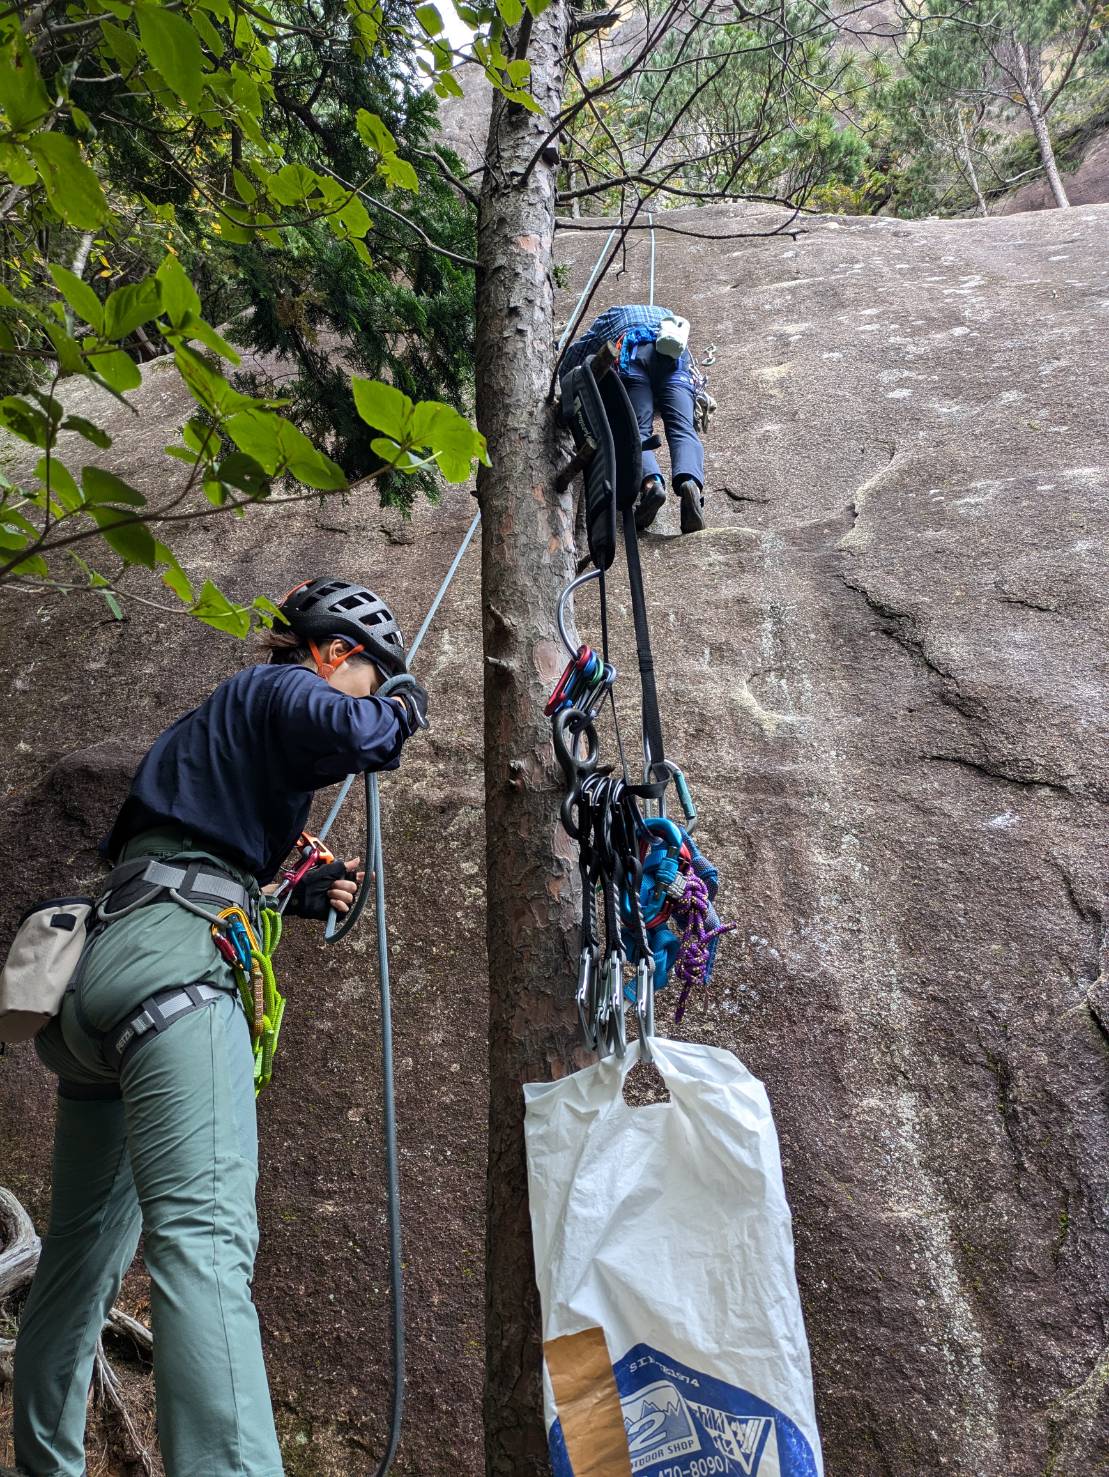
(1039, 125)
(527, 558)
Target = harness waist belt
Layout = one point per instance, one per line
(212, 884)
(137, 883)
(154, 1015)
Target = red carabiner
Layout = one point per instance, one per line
(576, 664)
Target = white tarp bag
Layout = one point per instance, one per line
(673, 1339)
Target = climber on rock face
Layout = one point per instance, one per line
(156, 1055)
(661, 376)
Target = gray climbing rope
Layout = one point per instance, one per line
(375, 860)
(651, 277)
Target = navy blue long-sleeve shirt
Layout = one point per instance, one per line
(238, 773)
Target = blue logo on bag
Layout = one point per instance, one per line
(681, 1423)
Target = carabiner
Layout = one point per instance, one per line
(586, 1001)
(582, 579)
(645, 1004)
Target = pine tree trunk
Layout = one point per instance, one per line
(968, 164)
(527, 557)
(1039, 126)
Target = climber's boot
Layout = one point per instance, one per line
(692, 503)
(651, 498)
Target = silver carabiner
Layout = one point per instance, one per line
(611, 1031)
(645, 1004)
(586, 997)
(582, 579)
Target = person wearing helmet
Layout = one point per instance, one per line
(158, 1135)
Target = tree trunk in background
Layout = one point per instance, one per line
(1039, 125)
(527, 558)
(968, 163)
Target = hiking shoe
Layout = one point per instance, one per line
(693, 504)
(651, 499)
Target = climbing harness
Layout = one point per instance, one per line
(645, 886)
(245, 931)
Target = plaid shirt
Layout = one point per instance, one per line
(608, 328)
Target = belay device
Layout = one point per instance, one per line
(643, 876)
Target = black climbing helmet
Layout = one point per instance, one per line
(321, 609)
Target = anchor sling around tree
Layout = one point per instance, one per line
(165, 1141)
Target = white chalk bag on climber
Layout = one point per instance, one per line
(673, 337)
(40, 964)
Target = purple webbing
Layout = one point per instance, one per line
(690, 913)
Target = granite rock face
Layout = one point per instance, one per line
(883, 666)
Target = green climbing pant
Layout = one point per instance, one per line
(174, 1156)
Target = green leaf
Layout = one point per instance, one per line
(22, 94)
(129, 306)
(88, 430)
(214, 609)
(179, 296)
(131, 541)
(447, 85)
(25, 421)
(174, 577)
(240, 471)
(292, 184)
(60, 483)
(393, 455)
(15, 162)
(279, 446)
(207, 32)
(79, 295)
(451, 437)
(105, 487)
(204, 333)
(525, 99)
(10, 539)
(373, 133)
(66, 349)
(512, 11)
(71, 187)
(121, 44)
(174, 48)
(206, 385)
(244, 91)
(36, 564)
(113, 604)
(398, 172)
(353, 219)
(117, 369)
(383, 407)
(13, 519)
(244, 186)
(429, 17)
(518, 72)
(267, 610)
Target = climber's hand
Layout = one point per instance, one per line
(330, 885)
(342, 892)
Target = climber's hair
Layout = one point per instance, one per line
(283, 648)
